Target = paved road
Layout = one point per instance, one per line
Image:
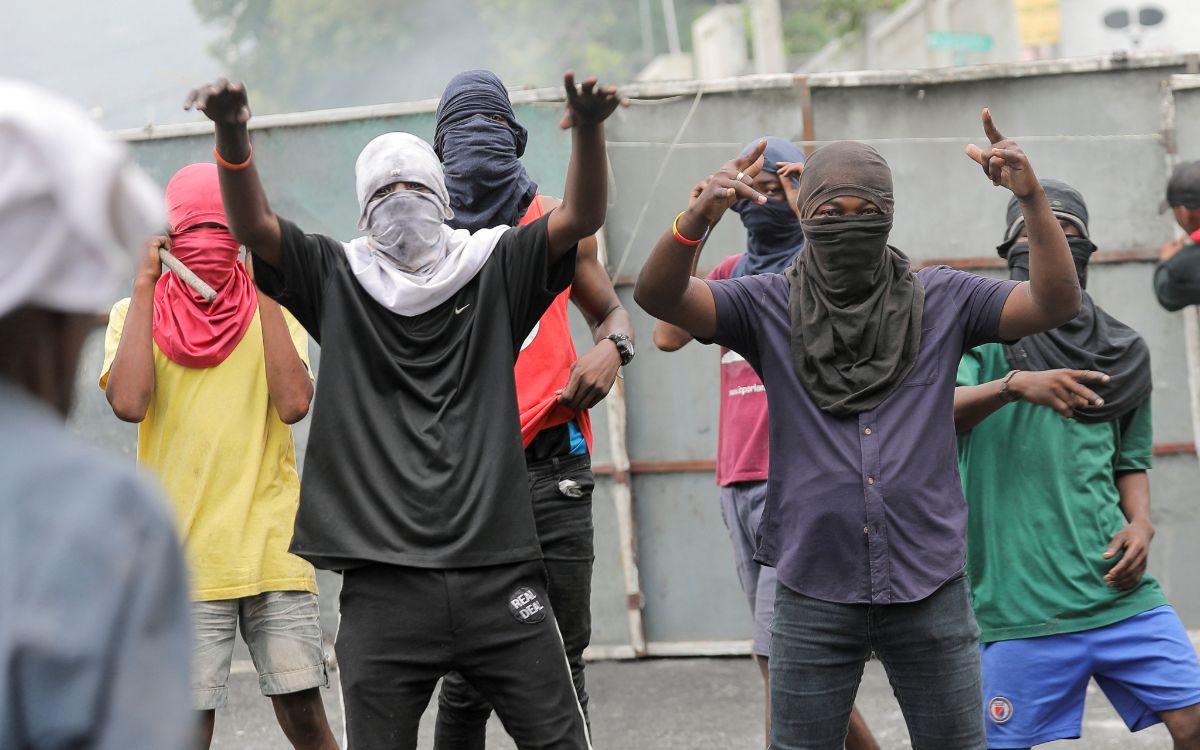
(669, 704)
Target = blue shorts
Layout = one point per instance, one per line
(1034, 688)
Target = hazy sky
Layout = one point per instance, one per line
(128, 61)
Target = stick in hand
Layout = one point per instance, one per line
(186, 275)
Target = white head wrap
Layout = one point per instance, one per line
(74, 210)
(403, 157)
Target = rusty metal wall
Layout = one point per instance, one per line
(1093, 123)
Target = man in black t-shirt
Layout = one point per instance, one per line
(415, 484)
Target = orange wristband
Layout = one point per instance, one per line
(680, 238)
(235, 167)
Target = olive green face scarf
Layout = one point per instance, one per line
(854, 303)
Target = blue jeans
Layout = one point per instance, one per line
(929, 648)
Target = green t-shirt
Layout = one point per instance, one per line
(1043, 508)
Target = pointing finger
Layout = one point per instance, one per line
(989, 127)
(755, 156)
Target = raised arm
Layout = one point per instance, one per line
(666, 287)
(667, 337)
(585, 198)
(289, 383)
(1051, 296)
(130, 384)
(251, 220)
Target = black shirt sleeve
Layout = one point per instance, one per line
(532, 283)
(308, 260)
(1177, 280)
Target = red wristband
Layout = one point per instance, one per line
(680, 238)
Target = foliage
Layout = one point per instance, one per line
(312, 54)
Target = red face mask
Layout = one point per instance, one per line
(189, 330)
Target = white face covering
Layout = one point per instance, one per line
(410, 261)
(405, 229)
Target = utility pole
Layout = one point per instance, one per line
(673, 45)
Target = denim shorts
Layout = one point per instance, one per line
(283, 631)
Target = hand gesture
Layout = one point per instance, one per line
(592, 377)
(222, 102)
(1061, 390)
(789, 171)
(589, 104)
(151, 266)
(1135, 539)
(1004, 162)
(730, 184)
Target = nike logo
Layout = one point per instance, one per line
(458, 310)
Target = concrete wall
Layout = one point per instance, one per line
(1094, 124)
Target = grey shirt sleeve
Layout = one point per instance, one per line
(148, 702)
(1177, 280)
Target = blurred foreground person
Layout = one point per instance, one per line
(773, 239)
(94, 634)
(415, 485)
(480, 144)
(1055, 442)
(1177, 276)
(213, 387)
(865, 520)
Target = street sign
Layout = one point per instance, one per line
(958, 41)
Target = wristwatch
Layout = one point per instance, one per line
(624, 347)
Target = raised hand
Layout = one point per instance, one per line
(1004, 162)
(1061, 390)
(789, 177)
(223, 102)
(728, 185)
(151, 266)
(588, 104)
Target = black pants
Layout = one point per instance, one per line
(562, 508)
(403, 628)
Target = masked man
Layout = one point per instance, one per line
(773, 239)
(864, 519)
(1057, 549)
(415, 486)
(480, 144)
(213, 387)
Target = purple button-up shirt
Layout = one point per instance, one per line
(865, 509)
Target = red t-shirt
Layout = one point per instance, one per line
(742, 431)
(544, 365)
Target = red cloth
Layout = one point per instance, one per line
(544, 365)
(1196, 236)
(743, 426)
(189, 330)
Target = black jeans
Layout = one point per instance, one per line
(404, 628)
(562, 509)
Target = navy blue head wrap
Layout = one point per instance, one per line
(488, 185)
(773, 232)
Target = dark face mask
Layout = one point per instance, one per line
(846, 253)
(479, 147)
(1081, 252)
(771, 222)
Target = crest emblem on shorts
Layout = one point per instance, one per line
(525, 606)
(1000, 709)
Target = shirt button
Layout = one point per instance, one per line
(866, 529)
(870, 480)
(867, 431)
